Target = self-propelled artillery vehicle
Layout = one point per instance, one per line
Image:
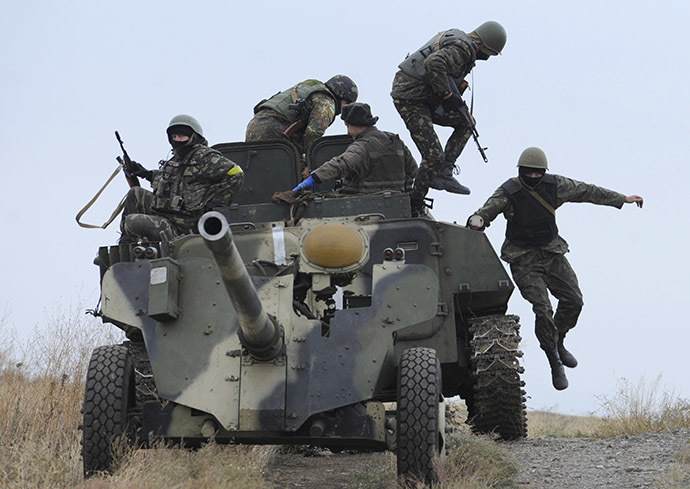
(329, 320)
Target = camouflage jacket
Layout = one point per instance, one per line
(202, 179)
(567, 190)
(374, 161)
(321, 108)
(455, 60)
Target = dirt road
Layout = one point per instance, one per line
(623, 462)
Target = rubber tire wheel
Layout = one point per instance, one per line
(419, 433)
(108, 395)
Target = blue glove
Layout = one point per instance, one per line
(306, 184)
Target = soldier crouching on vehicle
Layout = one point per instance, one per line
(301, 114)
(375, 161)
(536, 252)
(195, 180)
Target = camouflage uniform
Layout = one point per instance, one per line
(183, 189)
(375, 161)
(540, 269)
(271, 124)
(416, 100)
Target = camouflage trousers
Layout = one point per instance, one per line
(420, 119)
(264, 127)
(539, 272)
(139, 220)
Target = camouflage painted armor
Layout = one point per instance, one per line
(183, 188)
(416, 100)
(272, 117)
(375, 161)
(540, 269)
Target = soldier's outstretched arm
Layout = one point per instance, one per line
(630, 199)
(496, 204)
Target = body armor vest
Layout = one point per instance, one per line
(280, 102)
(532, 223)
(413, 64)
(386, 165)
(178, 188)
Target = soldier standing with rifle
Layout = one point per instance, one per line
(302, 113)
(423, 85)
(536, 252)
(195, 180)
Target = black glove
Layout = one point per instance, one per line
(139, 171)
(452, 103)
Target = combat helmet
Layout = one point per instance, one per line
(343, 88)
(533, 157)
(187, 121)
(492, 36)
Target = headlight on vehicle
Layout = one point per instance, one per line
(335, 245)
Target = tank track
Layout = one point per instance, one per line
(497, 401)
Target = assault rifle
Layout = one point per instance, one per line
(300, 106)
(126, 162)
(467, 114)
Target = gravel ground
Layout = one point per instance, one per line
(623, 462)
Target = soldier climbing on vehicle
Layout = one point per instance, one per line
(301, 113)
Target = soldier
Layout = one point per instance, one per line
(374, 161)
(302, 113)
(535, 251)
(196, 179)
(423, 95)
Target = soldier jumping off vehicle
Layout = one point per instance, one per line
(422, 85)
(195, 180)
(373, 162)
(535, 251)
(301, 113)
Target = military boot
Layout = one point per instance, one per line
(558, 378)
(567, 358)
(444, 180)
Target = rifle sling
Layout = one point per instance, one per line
(115, 213)
(538, 197)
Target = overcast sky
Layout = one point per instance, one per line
(602, 87)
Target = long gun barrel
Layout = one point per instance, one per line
(259, 333)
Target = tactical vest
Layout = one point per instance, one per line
(280, 102)
(386, 164)
(413, 64)
(177, 188)
(532, 223)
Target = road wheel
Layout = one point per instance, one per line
(108, 396)
(420, 414)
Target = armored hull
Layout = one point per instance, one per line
(346, 306)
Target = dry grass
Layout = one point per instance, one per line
(548, 423)
(643, 408)
(239, 467)
(41, 386)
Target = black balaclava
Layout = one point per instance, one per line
(182, 148)
(531, 182)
